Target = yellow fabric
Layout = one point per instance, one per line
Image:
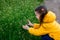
(36, 26)
(50, 17)
(38, 32)
(50, 26)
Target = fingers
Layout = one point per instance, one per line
(23, 26)
(29, 21)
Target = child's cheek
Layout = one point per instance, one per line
(37, 17)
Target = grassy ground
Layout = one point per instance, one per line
(14, 14)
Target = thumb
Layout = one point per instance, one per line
(23, 26)
(29, 21)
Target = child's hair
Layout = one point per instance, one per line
(42, 10)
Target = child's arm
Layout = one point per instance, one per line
(33, 25)
(37, 32)
(36, 26)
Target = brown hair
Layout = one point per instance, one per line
(42, 10)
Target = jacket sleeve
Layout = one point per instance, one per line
(36, 26)
(37, 32)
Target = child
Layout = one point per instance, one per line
(43, 37)
(48, 24)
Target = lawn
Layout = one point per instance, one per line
(14, 14)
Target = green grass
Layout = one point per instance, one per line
(14, 14)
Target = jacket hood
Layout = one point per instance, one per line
(49, 17)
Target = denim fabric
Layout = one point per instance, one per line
(46, 37)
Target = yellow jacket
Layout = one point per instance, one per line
(50, 26)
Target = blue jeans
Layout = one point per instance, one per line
(46, 37)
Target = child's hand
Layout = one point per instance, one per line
(25, 27)
(29, 23)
